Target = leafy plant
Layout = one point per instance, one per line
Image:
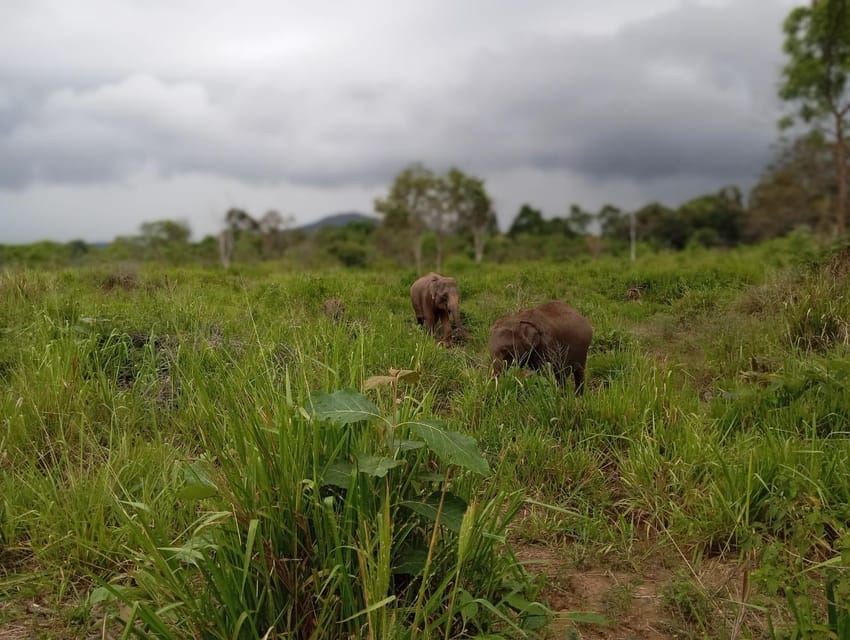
(333, 522)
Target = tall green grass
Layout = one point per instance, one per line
(174, 453)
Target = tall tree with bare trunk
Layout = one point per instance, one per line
(815, 79)
(474, 208)
(410, 206)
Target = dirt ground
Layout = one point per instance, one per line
(667, 598)
(650, 605)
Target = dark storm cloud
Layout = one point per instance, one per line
(690, 91)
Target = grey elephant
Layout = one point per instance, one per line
(553, 332)
(435, 299)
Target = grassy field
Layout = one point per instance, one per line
(207, 454)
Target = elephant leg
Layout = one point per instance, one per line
(562, 374)
(578, 375)
(429, 320)
(447, 326)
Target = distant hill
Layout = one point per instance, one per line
(338, 220)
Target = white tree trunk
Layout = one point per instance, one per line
(417, 252)
(439, 260)
(225, 247)
(479, 239)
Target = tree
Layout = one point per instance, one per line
(412, 207)
(240, 220)
(798, 188)
(716, 219)
(237, 222)
(348, 243)
(225, 247)
(165, 239)
(617, 225)
(579, 220)
(662, 226)
(272, 227)
(440, 215)
(77, 249)
(528, 220)
(817, 43)
(474, 208)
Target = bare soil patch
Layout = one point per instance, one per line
(650, 604)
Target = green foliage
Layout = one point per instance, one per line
(817, 43)
(349, 244)
(300, 551)
(210, 455)
(530, 221)
(797, 190)
(420, 201)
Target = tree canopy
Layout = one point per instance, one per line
(814, 78)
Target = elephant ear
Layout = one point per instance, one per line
(432, 290)
(527, 336)
(439, 290)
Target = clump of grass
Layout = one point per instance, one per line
(326, 526)
(693, 606)
(119, 279)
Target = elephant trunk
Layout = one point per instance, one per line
(454, 310)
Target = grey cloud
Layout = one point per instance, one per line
(689, 92)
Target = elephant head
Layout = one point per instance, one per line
(514, 341)
(443, 292)
(552, 333)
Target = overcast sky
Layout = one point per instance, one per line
(115, 112)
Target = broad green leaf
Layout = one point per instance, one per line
(185, 554)
(451, 447)
(376, 466)
(193, 551)
(411, 561)
(535, 615)
(197, 483)
(467, 605)
(102, 594)
(518, 601)
(338, 474)
(405, 445)
(112, 593)
(197, 492)
(453, 509)
(342, 407)
(431, 477)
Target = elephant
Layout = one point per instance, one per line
(434, 298)
(553, 332)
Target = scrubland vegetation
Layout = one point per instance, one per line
(194, 453)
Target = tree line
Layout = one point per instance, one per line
(425, 217)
